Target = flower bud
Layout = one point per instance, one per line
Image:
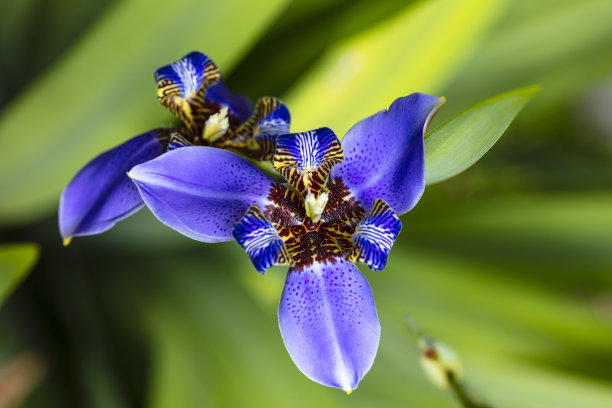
(440, 363)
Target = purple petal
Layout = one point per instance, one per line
(237, 104)
(101, 193)
(384, 156)
(201, 192)
(329, 324)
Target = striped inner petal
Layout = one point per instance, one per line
(182, 84)
(256, 138)
(258, 237)
(305, 159)
(374, 236)
(177, 140)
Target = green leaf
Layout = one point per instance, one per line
(461, 141)
(102, 92)
(420, 49)
(16, 260)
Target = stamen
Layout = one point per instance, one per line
(315, 205)
(216, 125)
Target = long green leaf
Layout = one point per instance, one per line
(16, 261)
(418, 50)
(103, 91)
(460, 142)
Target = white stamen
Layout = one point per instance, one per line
(315, 205)
(216, 125)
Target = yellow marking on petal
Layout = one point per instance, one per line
(348, 392)
(67, 241)
(129, 175)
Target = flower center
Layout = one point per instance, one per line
(305, 160)
(311, 241)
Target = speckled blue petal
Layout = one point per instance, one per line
(305, 159)
(374, 236)
(384, 155)
(329, 324)
(181, 87)
(237, 104)
(101, 193)
(258, 237)
(201, 192)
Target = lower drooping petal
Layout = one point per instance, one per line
(201, 192)
(101, 193)
(374, 236)
(384, 154)
(329, 324)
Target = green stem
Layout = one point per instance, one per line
(462, 395)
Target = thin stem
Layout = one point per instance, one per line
(462, 395)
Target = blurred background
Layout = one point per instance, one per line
(510, 263)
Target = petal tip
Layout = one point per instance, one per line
(67, 241)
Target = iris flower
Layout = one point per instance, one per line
(101, 194)
(340, 205)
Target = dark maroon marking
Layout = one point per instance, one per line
(339, 206)
(308, 241)
(288, 208)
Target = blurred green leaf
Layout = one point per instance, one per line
(533, 45)
(418, 50)
(213, 343)
(102, 92)
(16, 260)
(460, 142)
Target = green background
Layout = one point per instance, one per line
(509, 263)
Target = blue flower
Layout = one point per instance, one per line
(340, 206)
(101, 194)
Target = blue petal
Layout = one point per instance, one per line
(237, 104)
(329, 324)
(182, 84)
(374, 236)
(305, 159)
(385, 155)
(101, 193)
(258, 237)
(201, 192)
